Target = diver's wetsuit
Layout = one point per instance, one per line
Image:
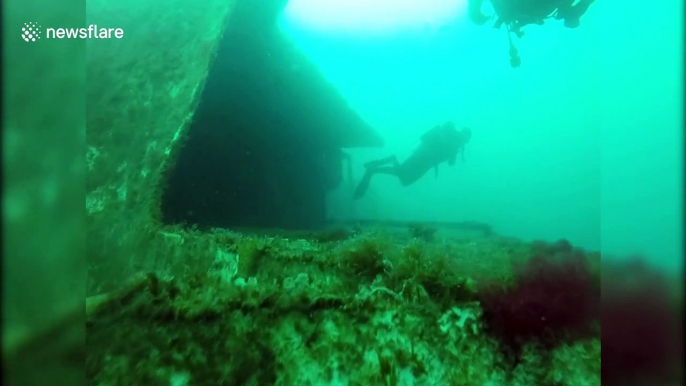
(521, 13)
(440, 144)
(515, 14)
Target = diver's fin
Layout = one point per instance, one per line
(349, 167)
(362, 187)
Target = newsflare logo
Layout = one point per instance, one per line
(30, 32)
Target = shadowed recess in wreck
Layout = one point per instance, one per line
(265, 143)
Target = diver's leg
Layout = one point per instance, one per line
(381, 162)
(391, 170)
(363, 185)
(412, 170)
(572, 13)
(475, 14)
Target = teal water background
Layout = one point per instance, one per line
(583, 141)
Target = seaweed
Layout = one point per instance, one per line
(435, 272)
(366, 258)
(368, 310)
(552, 299)
(641, 331)
(422, 231)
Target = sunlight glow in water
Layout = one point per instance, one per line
(372, 15)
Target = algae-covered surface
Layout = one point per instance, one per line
(362, 307)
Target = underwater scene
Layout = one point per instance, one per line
(388, 192)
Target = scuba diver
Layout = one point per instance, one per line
(515, 14)
(440, 144)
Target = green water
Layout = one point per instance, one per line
(583, 141)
